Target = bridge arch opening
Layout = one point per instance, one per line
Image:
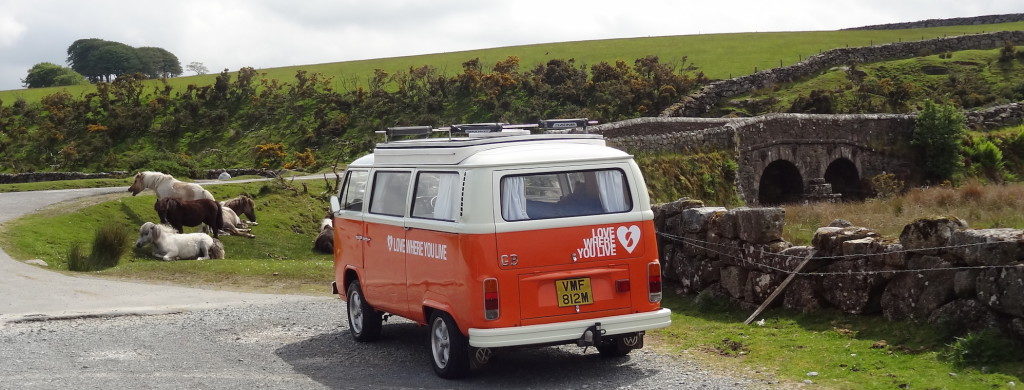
(842, 174)
(780, 183)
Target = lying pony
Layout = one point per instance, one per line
(168, 244)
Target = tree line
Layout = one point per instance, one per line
(96, 60)
(306, 122)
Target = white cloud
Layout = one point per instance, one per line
(10, 30)
(267, 33)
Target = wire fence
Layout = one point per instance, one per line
(728, 250)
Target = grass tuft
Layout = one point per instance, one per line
(108, 246)
(982, 349)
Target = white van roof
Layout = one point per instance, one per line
(491, 151)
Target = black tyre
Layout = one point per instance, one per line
(449, 348)
(619, 346)
(363, 320)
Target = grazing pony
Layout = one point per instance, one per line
(243, 205)
(325, 240)
(166, 186)
(169, 245)
(179, 213)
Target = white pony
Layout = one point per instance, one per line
(170, 245)
(166, 186)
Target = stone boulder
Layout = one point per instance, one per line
(695, 220)
(723, 224)
(965, 283)
(839, 222)
(854, 293)
(830, 239)
(734, 280)
(760, 285)
(803, 294)
(759, 225)
(989, 246)
(1002, 289)
(916, 295)
(964, 315)
(930, 233)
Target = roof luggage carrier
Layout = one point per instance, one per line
(482, 130)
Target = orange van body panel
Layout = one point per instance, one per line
(446, 270)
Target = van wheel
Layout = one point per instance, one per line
(620, 346)
(363, 320)
(449, 348)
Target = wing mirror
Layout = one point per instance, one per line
(335, 205)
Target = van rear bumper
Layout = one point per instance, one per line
(567, 331)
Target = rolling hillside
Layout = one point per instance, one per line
(717, 55)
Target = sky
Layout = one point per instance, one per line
(268, 33)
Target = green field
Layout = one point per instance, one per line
(969, 78)
(279, 259)
(840, 349)
(717, 55)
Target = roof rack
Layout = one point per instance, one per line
(566, 124)
(486, 129)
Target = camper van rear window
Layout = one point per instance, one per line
(564, 194)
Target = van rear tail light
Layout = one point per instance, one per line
(654, 281)
(491, 298)
(622, 285)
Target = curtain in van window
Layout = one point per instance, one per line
(513, 198)
(447, 203)
(613, 195)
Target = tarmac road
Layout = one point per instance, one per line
(60, 331)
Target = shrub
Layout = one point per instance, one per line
(986, 159)
(938, 134)
(109, 244)
(886, 185)
(1008, 52)
(982, 348)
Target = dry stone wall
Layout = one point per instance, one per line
(31, 177)
(740, 254)
(710, 95)
(965, 21)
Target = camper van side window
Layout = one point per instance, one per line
(437, 196)
(564, 194)
(355, 191)
(390, 191)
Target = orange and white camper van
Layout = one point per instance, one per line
(500, 238)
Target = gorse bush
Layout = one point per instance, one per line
(938, 133)
(110, 243)
(125, 125)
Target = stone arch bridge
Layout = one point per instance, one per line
(783, 157)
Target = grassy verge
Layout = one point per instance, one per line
(982, 206)
(279, 259)
(718, 55)
(706, 176)
(842, 350)
(65, 184)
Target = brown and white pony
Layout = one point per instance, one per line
(243, 205)
(232, 225)
(179, 213)
(324, 242)
(166, 186)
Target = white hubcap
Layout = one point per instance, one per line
(355, 312)
(439, 342)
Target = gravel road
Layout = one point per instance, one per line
(100, 333)
(297, 345)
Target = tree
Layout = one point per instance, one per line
(116, 59)
(80, 57)
(45, 74)
(157, 62)
(197, 67)
(938, 135)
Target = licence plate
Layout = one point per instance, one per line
(572, 292)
